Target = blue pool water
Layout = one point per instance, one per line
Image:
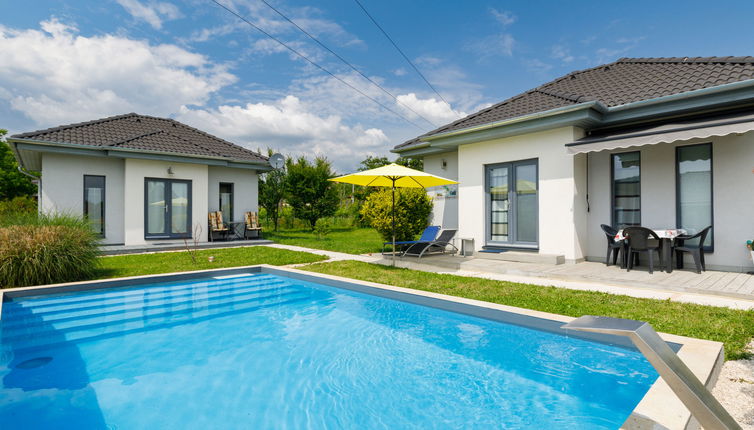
(268, 352)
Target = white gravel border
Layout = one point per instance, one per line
(735, 390)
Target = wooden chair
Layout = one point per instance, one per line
(216, 226)
(252, 226)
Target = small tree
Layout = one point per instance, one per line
(412, 210)
(271, 193)
(12, 182)
(308, 190)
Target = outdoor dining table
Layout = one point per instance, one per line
(667, 236)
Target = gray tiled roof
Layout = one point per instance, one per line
(624, 81)
(142, 132)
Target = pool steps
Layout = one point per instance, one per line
(41, 323)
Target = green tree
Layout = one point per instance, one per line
(272, 193)
(372, 162)
(308, 190)
(412, 210)
(12, 182)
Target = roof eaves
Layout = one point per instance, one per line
(131, 150)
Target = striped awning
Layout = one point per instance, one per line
(665, 133)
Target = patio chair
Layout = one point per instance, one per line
(642, 239)
(437, 246)
(614, 247)
(252, 225)
(216, 226)
(428, 235)
(696, 250)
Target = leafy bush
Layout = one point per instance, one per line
(46, 249)
(412, 210)
(308, 190)
(322, 228)
(18, 207)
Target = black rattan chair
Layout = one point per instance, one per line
(642, 239)
(696, 250)
(614, 247)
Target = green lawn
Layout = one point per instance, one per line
(348, 240)
(732, 327)
(166, 262)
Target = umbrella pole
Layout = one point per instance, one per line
(393, 212)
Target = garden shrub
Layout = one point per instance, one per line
(412, 210)
(16, 209)
(47, 249)
(322, 228)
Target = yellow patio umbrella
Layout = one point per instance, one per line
(395, 176)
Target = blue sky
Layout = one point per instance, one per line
(193, 61)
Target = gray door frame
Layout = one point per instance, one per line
(512, 242)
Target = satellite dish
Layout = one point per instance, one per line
(277, 161)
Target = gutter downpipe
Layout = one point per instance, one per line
(24, 172)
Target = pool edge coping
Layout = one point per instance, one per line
(659, 406)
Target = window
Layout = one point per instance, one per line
(226, 201)
(94, 202)
(694, 189)
(626, 189)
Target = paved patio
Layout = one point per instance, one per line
(711, 287)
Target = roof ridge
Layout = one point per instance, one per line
(159, 131)
(214, 137)
(722, 60)
(75, 125)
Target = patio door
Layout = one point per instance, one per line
(512, 204)
(167, 208)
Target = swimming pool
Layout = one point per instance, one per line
(261, 350)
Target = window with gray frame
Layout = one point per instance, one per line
(226, 201)
(626, 189)
(94, 202)
(694, 189)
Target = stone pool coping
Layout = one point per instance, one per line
(660, 408)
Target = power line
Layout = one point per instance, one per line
(399, 50)
(347, 63)
(314, 64)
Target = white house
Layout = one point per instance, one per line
(140, 179)
(658, 142)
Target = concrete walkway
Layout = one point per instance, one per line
(658, 291)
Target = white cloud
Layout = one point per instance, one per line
(562, 53)
(55, 76)
(290, 126)
(538, 66)
(434, 110)
(504, 17)
(154, 13)
(497, 44)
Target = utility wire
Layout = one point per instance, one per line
(347, 63)
(314, 63)
(399, 50)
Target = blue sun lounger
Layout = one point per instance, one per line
(428, 235)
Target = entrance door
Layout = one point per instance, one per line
(167, 208)
(512, 204)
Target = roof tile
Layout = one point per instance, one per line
(624, 81)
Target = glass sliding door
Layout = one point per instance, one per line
(512, 202)
(167, 208)
(694, 189)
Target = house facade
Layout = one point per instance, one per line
(140, 179)
(658, 142)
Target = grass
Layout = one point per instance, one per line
(180, 261)
(348, 240)
(735, 328)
